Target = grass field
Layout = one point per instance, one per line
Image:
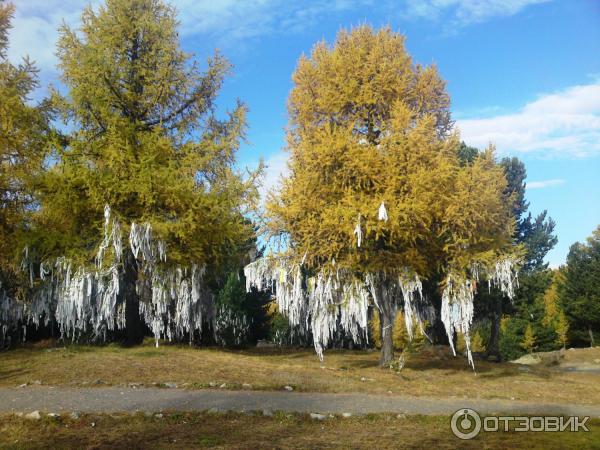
(433, 372)
(238, 431)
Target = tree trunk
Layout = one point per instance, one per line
(437, 331)
(134, 331)
(591, 333)
(493, 345)
(387, 315)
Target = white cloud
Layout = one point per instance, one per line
(276, 169)
(35, 29)
(231, 19)
(565, 123)
(545, 183)
(227, 22)
(231, 22)
(465, 12)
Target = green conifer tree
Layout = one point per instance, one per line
(579, 290)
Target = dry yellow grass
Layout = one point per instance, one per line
(433, 372)
(290, 431)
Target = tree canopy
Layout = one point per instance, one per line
(367, 127)
(145, 140)
(376, 185)
(147, 164)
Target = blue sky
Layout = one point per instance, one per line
(522, 74)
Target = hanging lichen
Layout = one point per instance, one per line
(332, 298)
(174, 301)
(459, 293)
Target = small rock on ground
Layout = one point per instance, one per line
(35, 415)
(171, 385)
(288, 388)
(317, 416)
(346, 415)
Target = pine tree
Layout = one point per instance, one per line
(252, 305)
(146, 141)
(537, 238)
(370, 130)
(579, 290)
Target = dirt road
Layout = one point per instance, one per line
(113, 399)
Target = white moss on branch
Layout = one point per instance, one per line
(174, 301)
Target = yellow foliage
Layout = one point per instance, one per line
(399, 335)
(504, 323)
(24, 136)
(367, 126)
(562, 329)
(271, 308)
(477, 343)
(529, 339)
(146, 143)
(553, 314)
(550, 299)
(375, 326)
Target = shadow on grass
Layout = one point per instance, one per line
(12, 373)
